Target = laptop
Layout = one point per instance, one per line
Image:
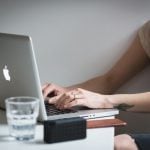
(19, 77)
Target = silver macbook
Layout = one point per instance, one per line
(19, 77)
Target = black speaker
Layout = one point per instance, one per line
(64, 129)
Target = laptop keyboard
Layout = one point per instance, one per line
(52, 110)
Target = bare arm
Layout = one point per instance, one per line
(139, 102)
(132, 62)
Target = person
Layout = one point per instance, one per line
(98, 92)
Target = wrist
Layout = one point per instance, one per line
(116, 103)
(110, 101)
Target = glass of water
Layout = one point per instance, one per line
(22, 115)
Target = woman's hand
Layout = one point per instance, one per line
(80, 97)
(51, 90)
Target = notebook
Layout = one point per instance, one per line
(19, 77)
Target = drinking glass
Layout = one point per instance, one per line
(22, 115)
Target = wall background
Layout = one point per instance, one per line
(75, 40)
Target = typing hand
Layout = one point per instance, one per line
(80, 97)
(51, 90)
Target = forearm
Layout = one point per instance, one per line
(133, 61)
(137, 102)
(102, 84)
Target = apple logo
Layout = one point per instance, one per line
(6, 73)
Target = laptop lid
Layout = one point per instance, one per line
(19, 77)
(18, 69)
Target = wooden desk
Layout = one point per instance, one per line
(97, 139)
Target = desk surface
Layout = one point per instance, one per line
(98, 138)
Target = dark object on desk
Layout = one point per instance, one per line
(64, 129)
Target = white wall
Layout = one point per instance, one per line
(77, 40)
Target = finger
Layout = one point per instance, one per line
(53, 100)
(78, 96)
(62, 101)
(76, 102)
(77, 92)
(68, 98)
(72, 94)
(44, 86)
(48, 89)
